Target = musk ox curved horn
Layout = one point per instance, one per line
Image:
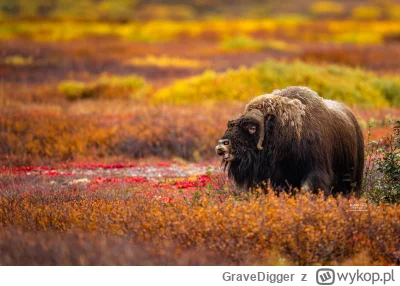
(257, 115)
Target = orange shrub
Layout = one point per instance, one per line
(27, 136)
(83, 248)
(304, 229)
(189, 132)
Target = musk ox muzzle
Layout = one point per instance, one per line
(224, 149)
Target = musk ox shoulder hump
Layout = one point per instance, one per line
(335, 105)
(339, 111)
(302, 93)
(289, 111)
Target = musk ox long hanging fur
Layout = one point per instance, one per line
(294, 138)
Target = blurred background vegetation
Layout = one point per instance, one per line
(126, 10)
(104, 80)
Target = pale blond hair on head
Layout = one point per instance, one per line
(289, 111)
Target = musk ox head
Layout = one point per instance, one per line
(241, 147)
(243, 135)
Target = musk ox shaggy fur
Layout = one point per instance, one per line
(293, 138)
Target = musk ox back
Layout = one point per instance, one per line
(294, 138)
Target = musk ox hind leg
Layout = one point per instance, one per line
(318, 181)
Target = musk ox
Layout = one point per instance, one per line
(293, 138)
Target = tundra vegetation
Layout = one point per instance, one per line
(110, 112)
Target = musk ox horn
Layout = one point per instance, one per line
(257, 115)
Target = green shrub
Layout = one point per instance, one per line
(106, 87)
(390, 89)
(242, 43)
(382, 172)
(245, 43)
(352, 86)
(73, 89)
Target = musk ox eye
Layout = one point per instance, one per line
(252, 129)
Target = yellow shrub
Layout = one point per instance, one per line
(348, 85)
(242, 43)
(326, 7)
(279, 45)
(393, 11)
(73, 89)
(246, 43)
(106, 87)
(166, 61)
(236, 33)
(18, 60)
(358, 38)
(177, 12)
(366, 13)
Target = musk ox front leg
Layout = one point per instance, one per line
(318, 180)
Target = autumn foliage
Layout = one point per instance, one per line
(176, 218)
(94, 94)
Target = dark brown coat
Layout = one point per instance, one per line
(295, 138)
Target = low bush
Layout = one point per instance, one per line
(241, 43)
(77, 247)
(393, 10)
(382, 172)
(351, 86)
(304, 229)
(188, 133)
(50, 136)
(366, 13)
(293, 28)
(110, 87)
(131, 130)
(246, 43)
(323, 8)
(18, 60)
(166, 61)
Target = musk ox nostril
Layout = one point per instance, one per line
(220, 151)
